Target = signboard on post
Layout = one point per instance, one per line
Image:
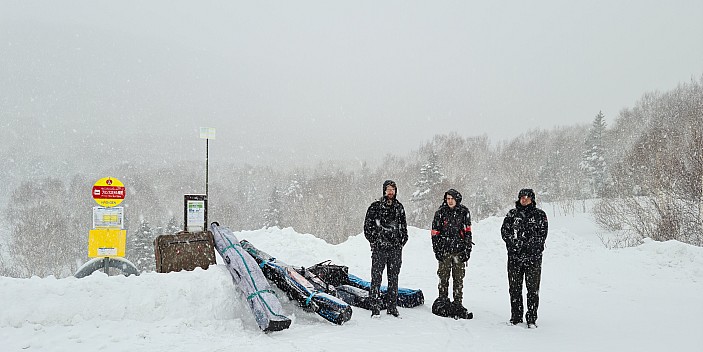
(108, 192)
(195, 212)
(108, 217)
(108, 237)
(207, 133)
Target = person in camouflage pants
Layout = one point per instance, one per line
(451, 243)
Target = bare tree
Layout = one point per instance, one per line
(658, 185)
(41, 242)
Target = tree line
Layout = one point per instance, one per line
(645, 170)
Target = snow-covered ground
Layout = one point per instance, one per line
(646, 298)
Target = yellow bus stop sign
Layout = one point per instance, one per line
(107, 242)
(108, 192)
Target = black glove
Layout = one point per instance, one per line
(512, 247)
(464, 255)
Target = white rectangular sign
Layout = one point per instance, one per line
(196, 215)
(207, 132)
(107, 251)
(104, 217)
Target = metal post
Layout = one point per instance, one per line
(106, 266)
(206, 166)
(207, 133)
(206, 179)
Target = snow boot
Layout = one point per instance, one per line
(515, 320)
(460, 312)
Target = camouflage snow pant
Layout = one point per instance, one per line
(454, 266)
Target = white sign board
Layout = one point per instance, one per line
(207, 132)
(107, 251)
(104, 217)
(195, 220)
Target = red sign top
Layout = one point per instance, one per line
(108, 192)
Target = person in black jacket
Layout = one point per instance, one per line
(386, 230)
(524, 231)
(451, 243)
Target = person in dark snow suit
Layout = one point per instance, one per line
(524, 231)
(386, 229)
(451, 243)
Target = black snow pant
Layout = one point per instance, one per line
(379, 261)
(531, 271)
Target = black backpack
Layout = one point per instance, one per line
(332, 274)
(443, 307)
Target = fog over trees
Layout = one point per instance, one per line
(644, 167)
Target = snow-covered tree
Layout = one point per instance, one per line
(272, 214)
(428, 192)
(593, 162)
(142, 247)
(484, 202)
(658, 186)
(296, 195)
(41, 240)
(172, 226)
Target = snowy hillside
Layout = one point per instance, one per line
(646, 298)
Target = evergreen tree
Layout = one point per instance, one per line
(299, 199)
(142, 247)
(484, 202)
(272, 215)
(428, 192)
(551, 179)
(593, 161)
(172, 227)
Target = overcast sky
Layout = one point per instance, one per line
(314, 80)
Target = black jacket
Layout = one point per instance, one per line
(385, 226)
(524, 231)
(451, 229)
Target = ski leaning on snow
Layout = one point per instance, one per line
(250, 280)
(288, 279)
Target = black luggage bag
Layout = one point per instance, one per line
(184, 251)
